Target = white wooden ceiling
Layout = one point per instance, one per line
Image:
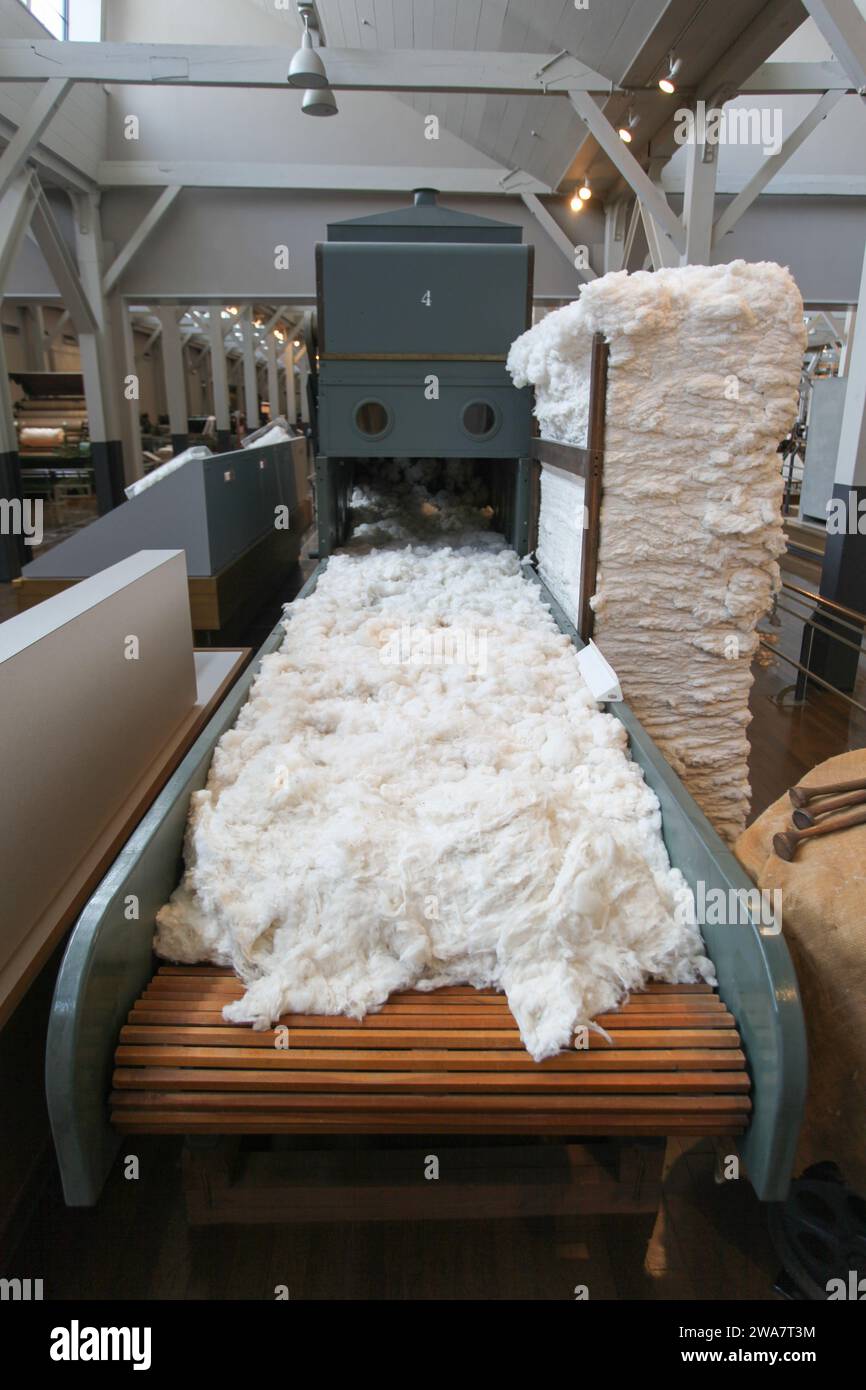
(626, 41)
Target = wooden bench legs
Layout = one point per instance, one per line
(232, 1180)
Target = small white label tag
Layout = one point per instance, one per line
(599, 675)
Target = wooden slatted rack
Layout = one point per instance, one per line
(448, 1062)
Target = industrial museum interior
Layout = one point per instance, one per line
(432, 604)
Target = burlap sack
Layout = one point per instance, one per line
(824, 915)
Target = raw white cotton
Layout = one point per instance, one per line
(375, 823)
(156, 475)
(275, 435)
(703, 377)
(560, 536)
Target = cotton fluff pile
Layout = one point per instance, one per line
(703, 378)
(371, 825)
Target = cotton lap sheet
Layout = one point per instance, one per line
(420, 792)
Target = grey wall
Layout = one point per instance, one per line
(220, 242)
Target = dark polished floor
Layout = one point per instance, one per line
(708, 1241)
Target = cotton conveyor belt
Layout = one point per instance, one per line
(450, 1061)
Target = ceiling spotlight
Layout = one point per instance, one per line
(584, 192)
(666, 83)
(319, 101)
(306, 68)
(576, 203)
(626, 130)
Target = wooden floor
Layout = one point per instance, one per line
(708, 1242)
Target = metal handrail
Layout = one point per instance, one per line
(812, 677)
(840, 622)
(826, 602)
(810, 622)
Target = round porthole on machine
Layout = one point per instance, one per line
(479, 419)
(372, 418)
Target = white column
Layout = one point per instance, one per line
(175, 377)
(219, 376)
(699, 201)
(851, 459)
(273, 378)
(251, 400)
(289, 363)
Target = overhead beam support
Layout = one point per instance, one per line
(791, 79)
(62, 266)
(843, 26)
(560, 238)
(16, 210)
(57, 331)
(615, 232)
(383, 178)
(139, 236)
(651, 197)
(698, 202)
(771, 166)
(349, 69)
(32, 128)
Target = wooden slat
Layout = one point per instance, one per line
(226, 1122)
(442, 1082)
(451, 1063)
(228, 1038)
(194, 1018)
(523, 1105)
(443, 1061)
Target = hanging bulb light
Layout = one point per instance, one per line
(576, 203)
(319, 101)
(306, 68)
(666, 83)
(585, 192)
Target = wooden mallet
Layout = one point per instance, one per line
(805, 816)
(786, 843)
(800, 796)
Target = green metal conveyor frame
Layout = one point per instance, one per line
(109, 961)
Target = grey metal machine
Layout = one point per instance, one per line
(416, 311)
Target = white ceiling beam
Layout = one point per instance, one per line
(16, 209)
(39, 116)
(630, 235)
(62, 266)
(348, 69)
(699, 201)
(151, 219)
(615, 225)
(651, 197)
(769, 167)
(384, 178)
(789, 79)
(57, 330)
(274, 319)
(559, 238)
(661, 250)
(842, 24)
